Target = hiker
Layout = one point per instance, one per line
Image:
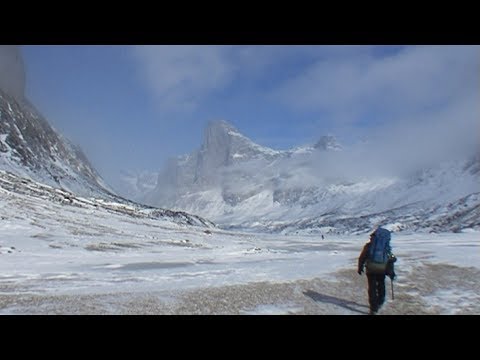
(378, 258)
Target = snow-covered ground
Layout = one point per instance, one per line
(64, 258)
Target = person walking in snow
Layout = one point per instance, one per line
(378, 259)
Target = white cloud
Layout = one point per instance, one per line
(180, 76)
(415, 106)
(406, 82)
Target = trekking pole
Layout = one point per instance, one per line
(392, 289)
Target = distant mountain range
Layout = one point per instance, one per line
(241, 185)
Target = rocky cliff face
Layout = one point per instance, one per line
(29, 146)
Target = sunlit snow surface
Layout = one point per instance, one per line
(49, 248)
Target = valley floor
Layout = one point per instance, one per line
(57, 258)
(430, 289)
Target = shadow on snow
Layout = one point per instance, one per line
(350, 305)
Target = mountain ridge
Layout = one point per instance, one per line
(291, 190)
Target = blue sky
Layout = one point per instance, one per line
(133, 107)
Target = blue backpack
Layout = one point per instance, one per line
(379, 251)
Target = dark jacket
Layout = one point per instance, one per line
(363, 259)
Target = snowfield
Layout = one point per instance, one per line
(74, 258)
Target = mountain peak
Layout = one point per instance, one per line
(220, 135)
(328, 143)
(220, 126)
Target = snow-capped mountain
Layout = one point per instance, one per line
(30, 147)
(223, 146)
(41, 164)
(240, 184)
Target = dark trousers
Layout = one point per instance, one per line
(376, 291)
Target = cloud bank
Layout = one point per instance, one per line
(412, 105)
